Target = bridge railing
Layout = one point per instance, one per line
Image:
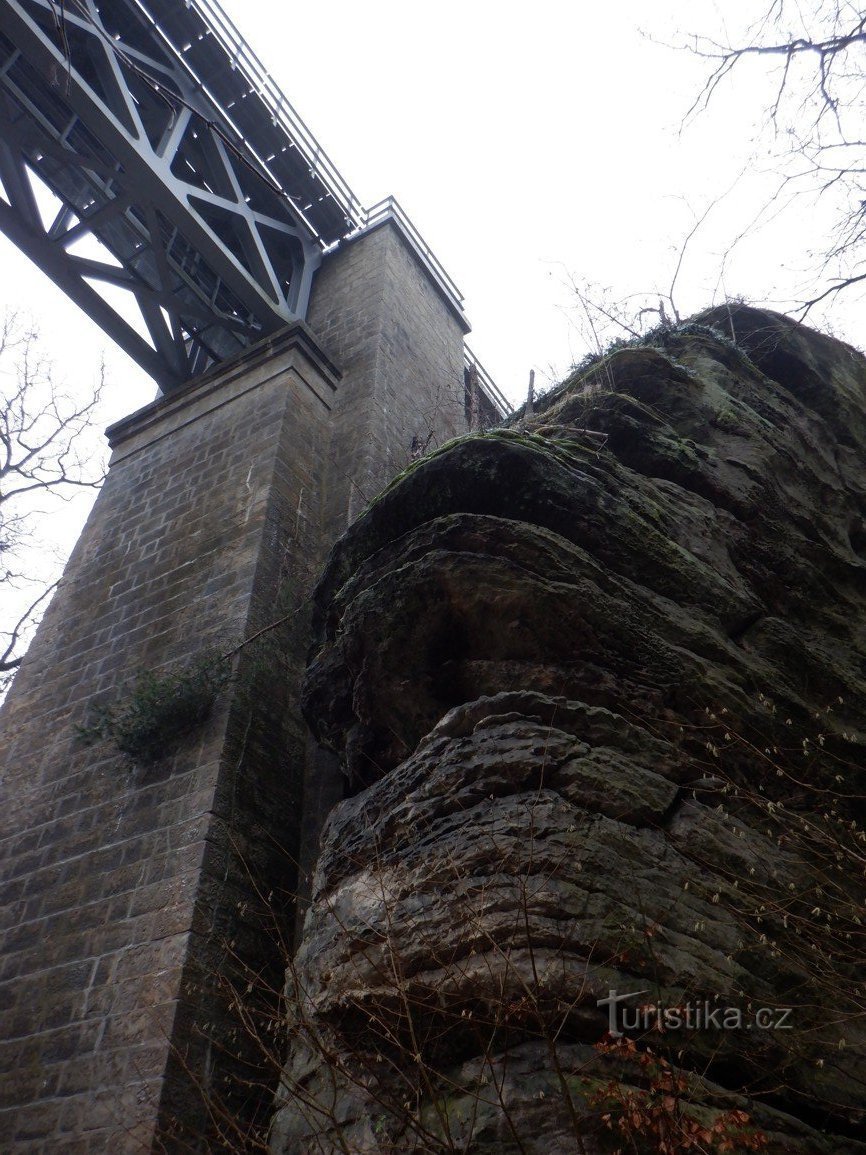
(282, 112)
(391, 209)
(486, 383)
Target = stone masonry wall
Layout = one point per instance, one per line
(400, 348)
(126, 906)
(110, 871)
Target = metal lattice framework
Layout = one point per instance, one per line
(163, 138)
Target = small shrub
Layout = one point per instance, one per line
(159, 709)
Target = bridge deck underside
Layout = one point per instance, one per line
(155, 143)
(177, 173)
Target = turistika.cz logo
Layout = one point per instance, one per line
(698, 1016)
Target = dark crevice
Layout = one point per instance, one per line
(736, 635)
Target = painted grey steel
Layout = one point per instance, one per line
(165, 140)
(486, 383)
(137, 118)
(390, 209)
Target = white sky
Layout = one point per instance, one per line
(531, 144)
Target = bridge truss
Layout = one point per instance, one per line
(162, 137)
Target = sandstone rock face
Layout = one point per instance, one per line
(597, 680)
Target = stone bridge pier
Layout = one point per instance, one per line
(134, 895)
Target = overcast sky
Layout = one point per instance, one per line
(534, 146)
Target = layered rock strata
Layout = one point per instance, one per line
(598, 680)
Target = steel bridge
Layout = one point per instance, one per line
(163, 138)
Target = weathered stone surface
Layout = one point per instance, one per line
(597, 682)
(125, 893)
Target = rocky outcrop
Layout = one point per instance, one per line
(597, 680)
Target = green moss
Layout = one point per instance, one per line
(561, 449)
(726, 419)
(665, 339)
(157, 710)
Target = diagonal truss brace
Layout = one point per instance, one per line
(142, 161)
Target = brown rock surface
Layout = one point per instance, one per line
(598, 681)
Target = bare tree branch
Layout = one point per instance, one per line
(839, 287)
(816, 56)
(7, 661)
(45, 453)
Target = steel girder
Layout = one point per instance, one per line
(100, 104)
